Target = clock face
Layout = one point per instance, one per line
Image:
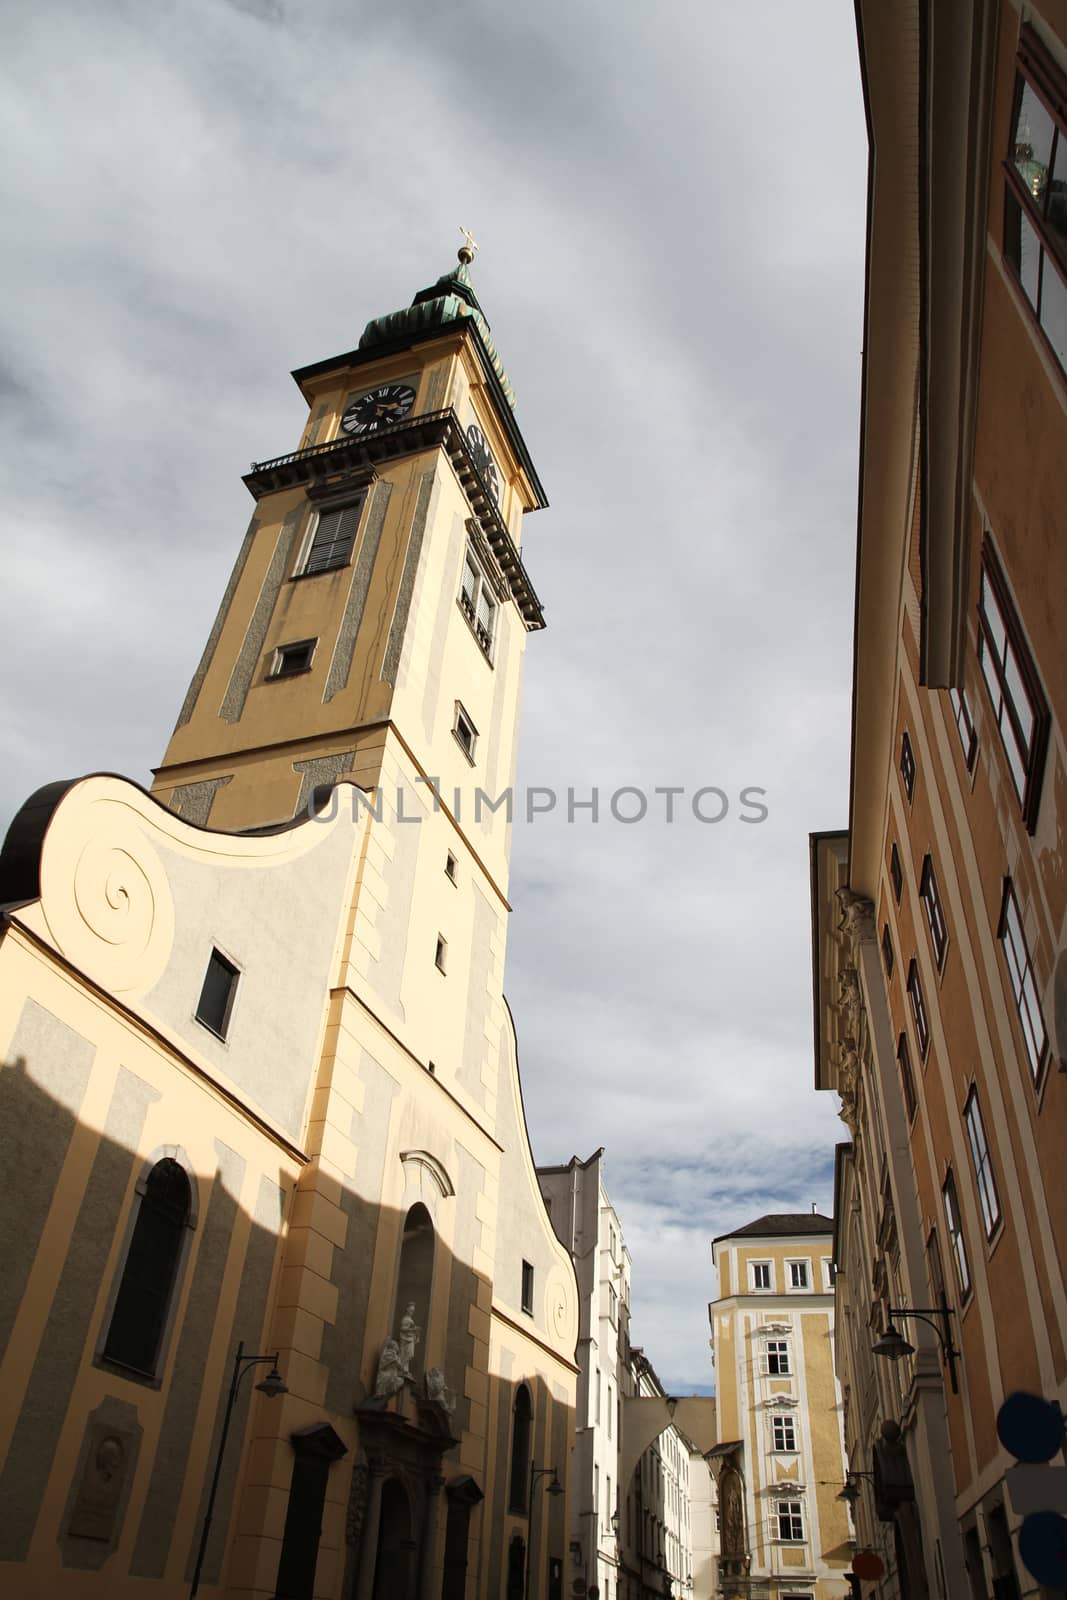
(483, 460)
(389, 403)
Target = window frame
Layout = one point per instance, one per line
(919, 1014)
(907, 765)
(1012, 937)
(982, 1164)
(356, 502)
(1032, 752)
(963, 717)
(957, 1244)
(896, 872)
(281, 653)
(779, 1347)
(526, 1299)
(794, 1512)
(222, 1032)
(151, 1379)
(887, 950)
(755, 1268)
(799, 1266)
(1035, 68)
(785, 1421)
(463, 716)
(481, 588)
(935, 911)
(440, 958)
(907, 1077)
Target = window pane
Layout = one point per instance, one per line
(1019, 698)
(1057, 204)
(1029, 258)
(1054, 307)
(1032, 144)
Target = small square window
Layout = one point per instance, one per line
(450, 866)
(465, 732)
(217, 995)
(290, 659)
(761, 1274)
(896, 872)
(441, 955)
(907, 765)
(527, 1288)
(887, 950)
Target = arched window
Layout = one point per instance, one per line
(415, 1279)
(521, 1434)
(151, 1269)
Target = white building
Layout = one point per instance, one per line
(628, 1541)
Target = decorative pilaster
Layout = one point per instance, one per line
(433, 1487)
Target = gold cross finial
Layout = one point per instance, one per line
(469, 246)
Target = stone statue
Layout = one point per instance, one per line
(409, 1336)
(391, 1371)
(857, 916)
(438, 1392)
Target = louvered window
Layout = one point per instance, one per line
(333, 538)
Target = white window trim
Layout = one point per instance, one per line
(795, 1288)
(461, 711)
(758, 1288)
(482, 585)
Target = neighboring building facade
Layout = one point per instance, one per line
(260, 1080)
(785, 1533)
(631, 1516)
(940, 916)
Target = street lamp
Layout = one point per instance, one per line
(850, 1493)
(271, 1385)
(893, 1345)
(553, 1488)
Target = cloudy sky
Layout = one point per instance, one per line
(670, 204)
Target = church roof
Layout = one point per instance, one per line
(449, 299)
(785, 1223)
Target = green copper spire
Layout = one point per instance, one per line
(450, 298)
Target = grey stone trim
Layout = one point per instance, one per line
(345, 648)
(171, 1464)
(321, 414)
(223, 612)
(391, 664)
(387, 970)
(96, 1505)
(244, 667)
(192, 801)
(248, 1324)
(47, 1399)
(42, 1087)
(435, 392)
(504, 1383)
(320, 769)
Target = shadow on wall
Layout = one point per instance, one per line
(126, 1288)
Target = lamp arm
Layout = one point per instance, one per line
(949, 1352)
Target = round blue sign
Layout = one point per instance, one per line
(1043, 1547)
(1030, 1426)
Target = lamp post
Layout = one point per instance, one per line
(893, 1346)
(272, 1384)
(554, 1488)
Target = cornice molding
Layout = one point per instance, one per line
(323, 468)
